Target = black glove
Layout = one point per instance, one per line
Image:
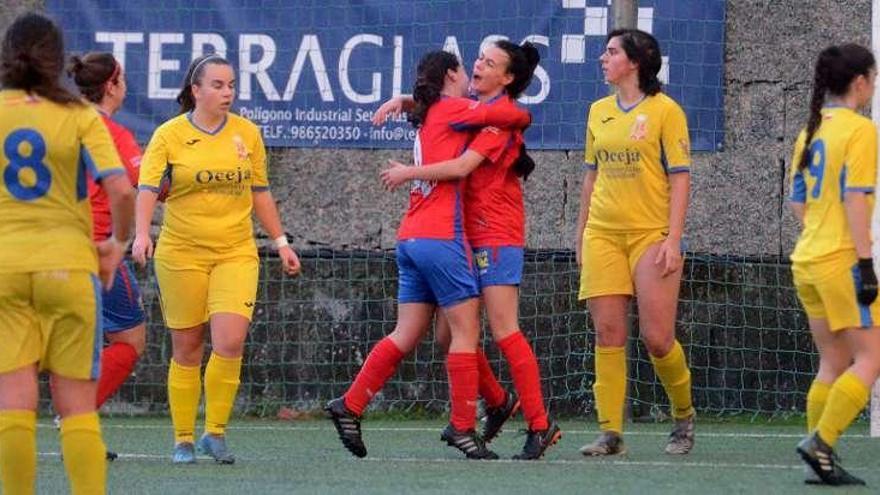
(867, 289)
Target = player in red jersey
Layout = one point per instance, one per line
(101, 81)
(434, 259)
(495, 226)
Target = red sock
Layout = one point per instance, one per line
(464, 377)
(117, 362)
(526, 378)
(381, 363)
(490, 390)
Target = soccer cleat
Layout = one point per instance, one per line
(497, 416)
(111, 456)
(348, 426)
(537, 442)
(184, 453)
(215, 446)
(810, 477)
(608, 443)
(824, 462)
(681, 440)
(468, 442)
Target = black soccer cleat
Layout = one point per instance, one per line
(111, 456)
(537, 442)
(468, 442)
(824, 462)
(348, 426)
(497, 416)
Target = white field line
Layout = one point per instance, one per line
(386, 429)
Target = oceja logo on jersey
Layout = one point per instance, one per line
(626, 156)
(620, 164)
(228, 181)
(237, 176)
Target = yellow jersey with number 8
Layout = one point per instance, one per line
(47, 150)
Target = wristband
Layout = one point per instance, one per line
(280, 242)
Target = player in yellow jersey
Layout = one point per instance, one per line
(206, 259)
(633, 205)
(834, 171)
(50, 302)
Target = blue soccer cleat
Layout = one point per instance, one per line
(184, 453)
(215, 446)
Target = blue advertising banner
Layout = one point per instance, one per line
(312, 73)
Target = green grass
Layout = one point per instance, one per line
(408, 457)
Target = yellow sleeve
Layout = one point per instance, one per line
(589, 151)
(154, 162)
(258, 158)
(861, 159)
(798, 193)
(675, 140)
(98, 150)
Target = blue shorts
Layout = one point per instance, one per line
(435, 271)
(123, 308)
(500, 265)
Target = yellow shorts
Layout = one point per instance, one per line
(52, 318)
(191, 291)
(608, 261)
(827, 290)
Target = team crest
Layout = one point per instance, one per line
(240, 148)
(639, 129)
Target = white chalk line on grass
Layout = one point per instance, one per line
(385, 429)
(507, 462)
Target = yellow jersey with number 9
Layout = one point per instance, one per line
(47, 150)
(212, 176)
(843, 158)
(633, 150)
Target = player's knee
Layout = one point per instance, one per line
(610, 333)
(659, 344)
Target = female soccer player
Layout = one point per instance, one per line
(433, 257)
(633, 204)
(49, 302)
(834, 170)
(495, 227)
(101, 81)
(206, 261)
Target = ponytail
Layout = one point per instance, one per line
(836, 67)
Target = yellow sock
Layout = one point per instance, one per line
(610, 387)
(221, 385)
(84, 451)
(848, 397)
(672, 369)
(816, 399)
(184, 392)
(18, 451)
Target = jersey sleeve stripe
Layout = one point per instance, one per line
(144, 187)
(798, 189)
(680, 169)
(259, 188)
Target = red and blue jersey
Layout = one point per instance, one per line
(130, 153)
(435, 207)
(494, 206)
